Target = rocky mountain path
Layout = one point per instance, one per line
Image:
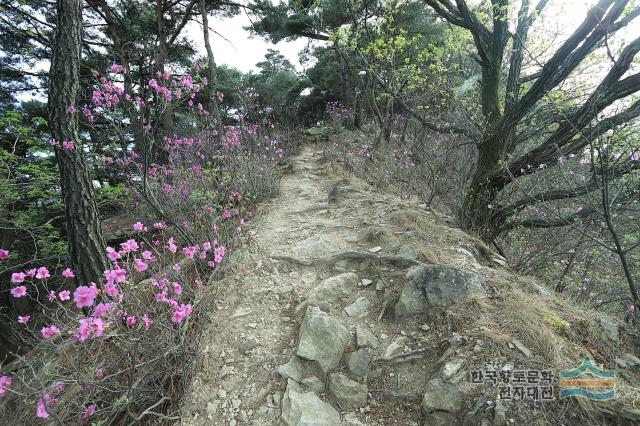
(298, 330)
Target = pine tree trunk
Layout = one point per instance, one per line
(212, 77)
(84, 234)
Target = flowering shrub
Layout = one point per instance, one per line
(338, 112)
(104, 351)
(141, 305)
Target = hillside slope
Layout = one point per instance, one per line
(348, 306)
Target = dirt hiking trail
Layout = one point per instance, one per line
(302, 330)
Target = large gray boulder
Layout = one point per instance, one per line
(437, 286)
(300, 408)
(322, 339)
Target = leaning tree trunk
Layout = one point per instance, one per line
(213, 74)
(84, 234)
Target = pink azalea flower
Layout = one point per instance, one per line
(23, 319)
(147, 255)
(42, 404)
(131, 321)
(180, 313)
(159, 225)
(129, 245)
(146, 321)
(64, 295)
(68, 273)
(89, 411)
(17, 277)
(206, 246)
(189, 252)
(118, 275)
(4, 253)
(138, 226)
(99, 373)
(218, 254)
(112, 254)
(49, 332)
(68, 145)
(99, 327)
(19, 291)
(71, 109)
(111, 290)
(140, 265)
(42, 273)
(84, 296)
(177, 288)
(52, 296)
(5, 383)
(101, 309)
(635, 156)
(171, 246)
(176, 268)
(30, 272)
(84, 331)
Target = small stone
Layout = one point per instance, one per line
(236, 403)
(375, 249)
(425, 327)
(455, 339)
(359, 308)
(252, 325)
(380, 285)
(628, 361)
(366, 339)
(366, 283)
(477, 348)
(247, 344)
(350, 419)
(522, 348)
(222, 394)
(396, 346)
(240, 312)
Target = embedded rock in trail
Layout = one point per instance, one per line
(294, 369)
(408, 252)
(330, 292)
(322, 339)
(305, 408)
(348, 393)
(437, 286)
(358, 363)
(340, 191)
(446, 390)
(365, 338)
(359, 308)
(314, 247)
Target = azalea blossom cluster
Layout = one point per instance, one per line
(105, 309)
(143, 300)
(109, 95)
(338, 111)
